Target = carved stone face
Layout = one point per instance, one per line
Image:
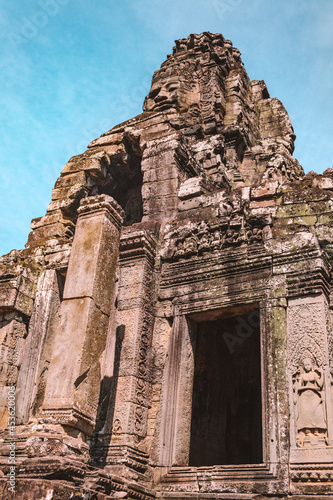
(307, 364)
(171, 93)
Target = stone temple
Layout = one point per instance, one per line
(167, 329)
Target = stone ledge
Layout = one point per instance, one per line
(137, 244)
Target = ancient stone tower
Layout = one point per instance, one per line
(167, 330)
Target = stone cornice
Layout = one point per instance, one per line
(102, 203)
(137, 244)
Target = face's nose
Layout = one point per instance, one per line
(161, 96)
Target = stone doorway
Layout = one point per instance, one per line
(226, 423)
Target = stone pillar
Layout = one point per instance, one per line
(173, 444)
(274, 380)
(16, 302)
(46, 306)
(128, 411)
(13, 331)
(72, 388)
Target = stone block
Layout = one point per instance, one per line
(55, 230)
(266, 191)
(162, 173)
(93, 260)
(74, 372)
(108, 138)
(168, 187)
(323, 182)
(190, 204)
(191, 188)
(50, 218)
(69, 180)
(89, 162)
(17, 293)
(160, 206)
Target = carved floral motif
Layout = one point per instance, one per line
(142, 390)
(306, 324)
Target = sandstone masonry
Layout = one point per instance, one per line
(168, 326)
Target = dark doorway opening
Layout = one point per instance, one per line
(226, 425)
(122, 179)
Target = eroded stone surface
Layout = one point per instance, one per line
(193, 217)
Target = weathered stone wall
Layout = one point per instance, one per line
(193, 212)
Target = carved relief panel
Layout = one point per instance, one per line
(229, 229)
(309, 376)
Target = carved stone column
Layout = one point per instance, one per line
(127, 414)
(174, 434)
(275, 383)
(13, 331)
(16, 303)
(72, 388)
(45, 310)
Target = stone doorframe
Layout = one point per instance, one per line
(175, 421)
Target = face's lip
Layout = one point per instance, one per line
(163, 105)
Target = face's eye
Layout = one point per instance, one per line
(154, 93)
(172, 88)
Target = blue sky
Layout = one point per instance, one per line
(70, 70)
